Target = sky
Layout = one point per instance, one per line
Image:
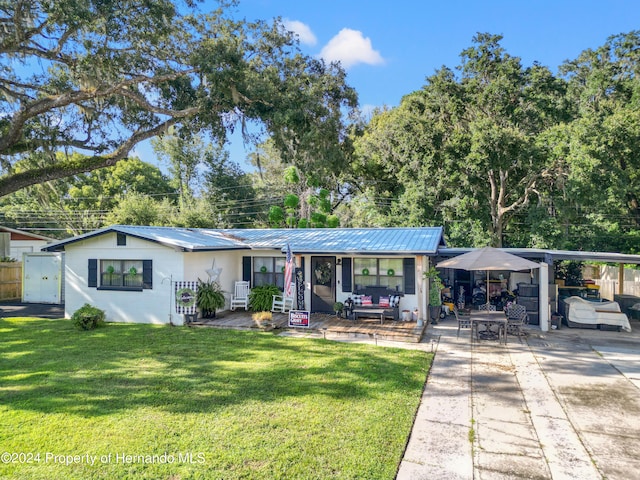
(388, 48)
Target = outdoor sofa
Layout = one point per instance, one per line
(369, 298)
(581, 313)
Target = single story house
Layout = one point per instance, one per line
(131, 271)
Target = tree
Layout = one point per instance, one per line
(100, 77)
(82, 202)
(463, 149)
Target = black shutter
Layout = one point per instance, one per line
(346, 274)
(409, 269)
(246, 269)
(92, 279)
(147, 274)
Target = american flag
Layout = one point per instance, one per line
(288, 273)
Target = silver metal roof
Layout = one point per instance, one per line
(551, 255)
(367, 241)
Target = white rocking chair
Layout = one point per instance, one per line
(240, 297)
(282, 303)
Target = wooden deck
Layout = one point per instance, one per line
(323, 323)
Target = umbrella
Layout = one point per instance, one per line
(488, 258)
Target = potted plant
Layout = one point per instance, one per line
(435, 299)
(209, 298)
(338, 307)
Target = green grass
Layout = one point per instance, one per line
(244, 404)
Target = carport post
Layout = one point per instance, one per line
(621, 279)
(544, 297)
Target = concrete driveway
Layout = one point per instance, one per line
(560, 405)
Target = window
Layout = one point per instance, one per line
(383, 272)
(268, 271)
(121, 274)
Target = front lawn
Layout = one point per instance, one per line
(157, 402)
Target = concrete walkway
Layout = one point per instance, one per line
(560, 405)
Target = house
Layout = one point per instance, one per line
(131, 272)
(20, 242)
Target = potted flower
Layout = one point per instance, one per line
(435, 299)
(209, 298)
(338, 307)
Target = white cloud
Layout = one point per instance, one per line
(350, 47)
(302, 30)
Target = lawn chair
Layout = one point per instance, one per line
(463, 321)
(240, 297)
(283, 303)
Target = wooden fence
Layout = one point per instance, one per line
(609, 283)
(10, 280)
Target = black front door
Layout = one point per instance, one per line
(323, 284)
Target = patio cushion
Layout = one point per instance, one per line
(366, 300)
(384, 302)
(357, 300)
(394, 300)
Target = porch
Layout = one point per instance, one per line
(321, 324)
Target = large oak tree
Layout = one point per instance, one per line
(98, 77)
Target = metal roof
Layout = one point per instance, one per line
(367, 241)
(552, 255)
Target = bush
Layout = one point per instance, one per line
(262, 318)
(209, 298)
(261, 298)
(88, 317)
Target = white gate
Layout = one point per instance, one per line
(42, 277)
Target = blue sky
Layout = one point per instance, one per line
(388, 48)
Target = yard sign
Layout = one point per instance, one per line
(299, 318)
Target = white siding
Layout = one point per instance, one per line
(147, 306)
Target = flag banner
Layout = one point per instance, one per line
(288, 273)
(185, 294)
(300, 288)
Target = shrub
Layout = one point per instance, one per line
(88, 317)
(261, 298)
(209, 298)
(262, 318)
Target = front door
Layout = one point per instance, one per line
(323, 284)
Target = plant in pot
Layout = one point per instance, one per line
(338, 307)
(209, 298)
(435, 298)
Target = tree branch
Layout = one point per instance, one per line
(66, 168)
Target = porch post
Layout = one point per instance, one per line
(543, 291)
(422, 263)
(620, 279)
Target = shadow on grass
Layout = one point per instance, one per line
(49, 366)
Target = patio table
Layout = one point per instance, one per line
(489, 319)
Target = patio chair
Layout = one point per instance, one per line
(240, 297)
(487, 308)
(283, 303)
(463, 321)
(516, 318)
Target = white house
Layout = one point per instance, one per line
(23, 242)
(130, 272)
